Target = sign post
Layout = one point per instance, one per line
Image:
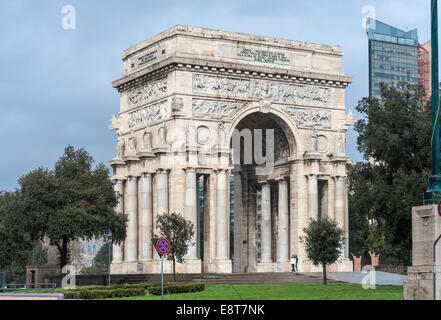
(162, 246)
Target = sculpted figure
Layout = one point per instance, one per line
(120, 147)
(132, 145)
(162, 135)
(340, 143)
(147, 140)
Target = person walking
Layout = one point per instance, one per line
(296, 260)
(293, 263)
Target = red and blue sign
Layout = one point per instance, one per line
(163, 246)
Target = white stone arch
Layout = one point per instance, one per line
(284, 121)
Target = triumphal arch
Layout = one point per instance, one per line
(243, 135)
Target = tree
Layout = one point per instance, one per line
(180, 232)
(323, 242)
(394, 137)
(71, 202)
(15, 243)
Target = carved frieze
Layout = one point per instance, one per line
(261, 89)
(147, 92)
(220, 86)
(143, 117)
(309, 118)
(214, 109)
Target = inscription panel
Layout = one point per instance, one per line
(263, 56)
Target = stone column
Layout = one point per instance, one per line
(191, 210)
(339, 204)
(162, 185)
(283, 224)
(222, 242)
(266, 223)
(339, 201)
(132, 212)
(118, 250)
(312, 196)
(146, 217)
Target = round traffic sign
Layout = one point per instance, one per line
(163, 246)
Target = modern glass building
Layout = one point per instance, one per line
(393, 56)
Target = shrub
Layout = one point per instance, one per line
(177, 288)
(88, 294)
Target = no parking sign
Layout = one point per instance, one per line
(162, 245)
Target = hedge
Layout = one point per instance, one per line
(178, 288)
(101, 294)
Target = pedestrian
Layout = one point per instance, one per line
(293, 263)
(296, 260)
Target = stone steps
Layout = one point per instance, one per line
(264, 278)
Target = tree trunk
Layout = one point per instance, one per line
(325, 281)
(63, 253)
(174, 268)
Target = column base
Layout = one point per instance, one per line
(419, 283)
(116, 268)
(283, 266)
(221, 266)
(266, 267)
(342, 265)
(191, 266)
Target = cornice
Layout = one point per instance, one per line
(161, 69)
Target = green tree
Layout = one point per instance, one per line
(102, 257)
(15, 244)
(71, 202)
(394, 137)
(180, 232)
(324, 242)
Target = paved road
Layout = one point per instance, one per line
(381, 278)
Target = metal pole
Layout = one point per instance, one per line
(108, 268)
(434, 267)
(435, 92)
(433, 194)
(162, 277)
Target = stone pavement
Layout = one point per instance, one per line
(381, 278)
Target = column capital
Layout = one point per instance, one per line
(132, 177)
(190, 169)
(220, 171)
(162, 170)
(118, 180)
(339, 178)
(147, 173)
(312, 176)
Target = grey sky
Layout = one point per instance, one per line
(55, 85)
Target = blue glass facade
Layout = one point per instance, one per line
(393, 56)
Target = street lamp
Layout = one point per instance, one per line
(433, 194)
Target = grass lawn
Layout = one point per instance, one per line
(284, 292)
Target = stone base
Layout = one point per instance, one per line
(116, 268)
(154, 266)
(342, 265)
(265, 267)
(419, 283)
(191, 266)
(282, 266)
(222, 266)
